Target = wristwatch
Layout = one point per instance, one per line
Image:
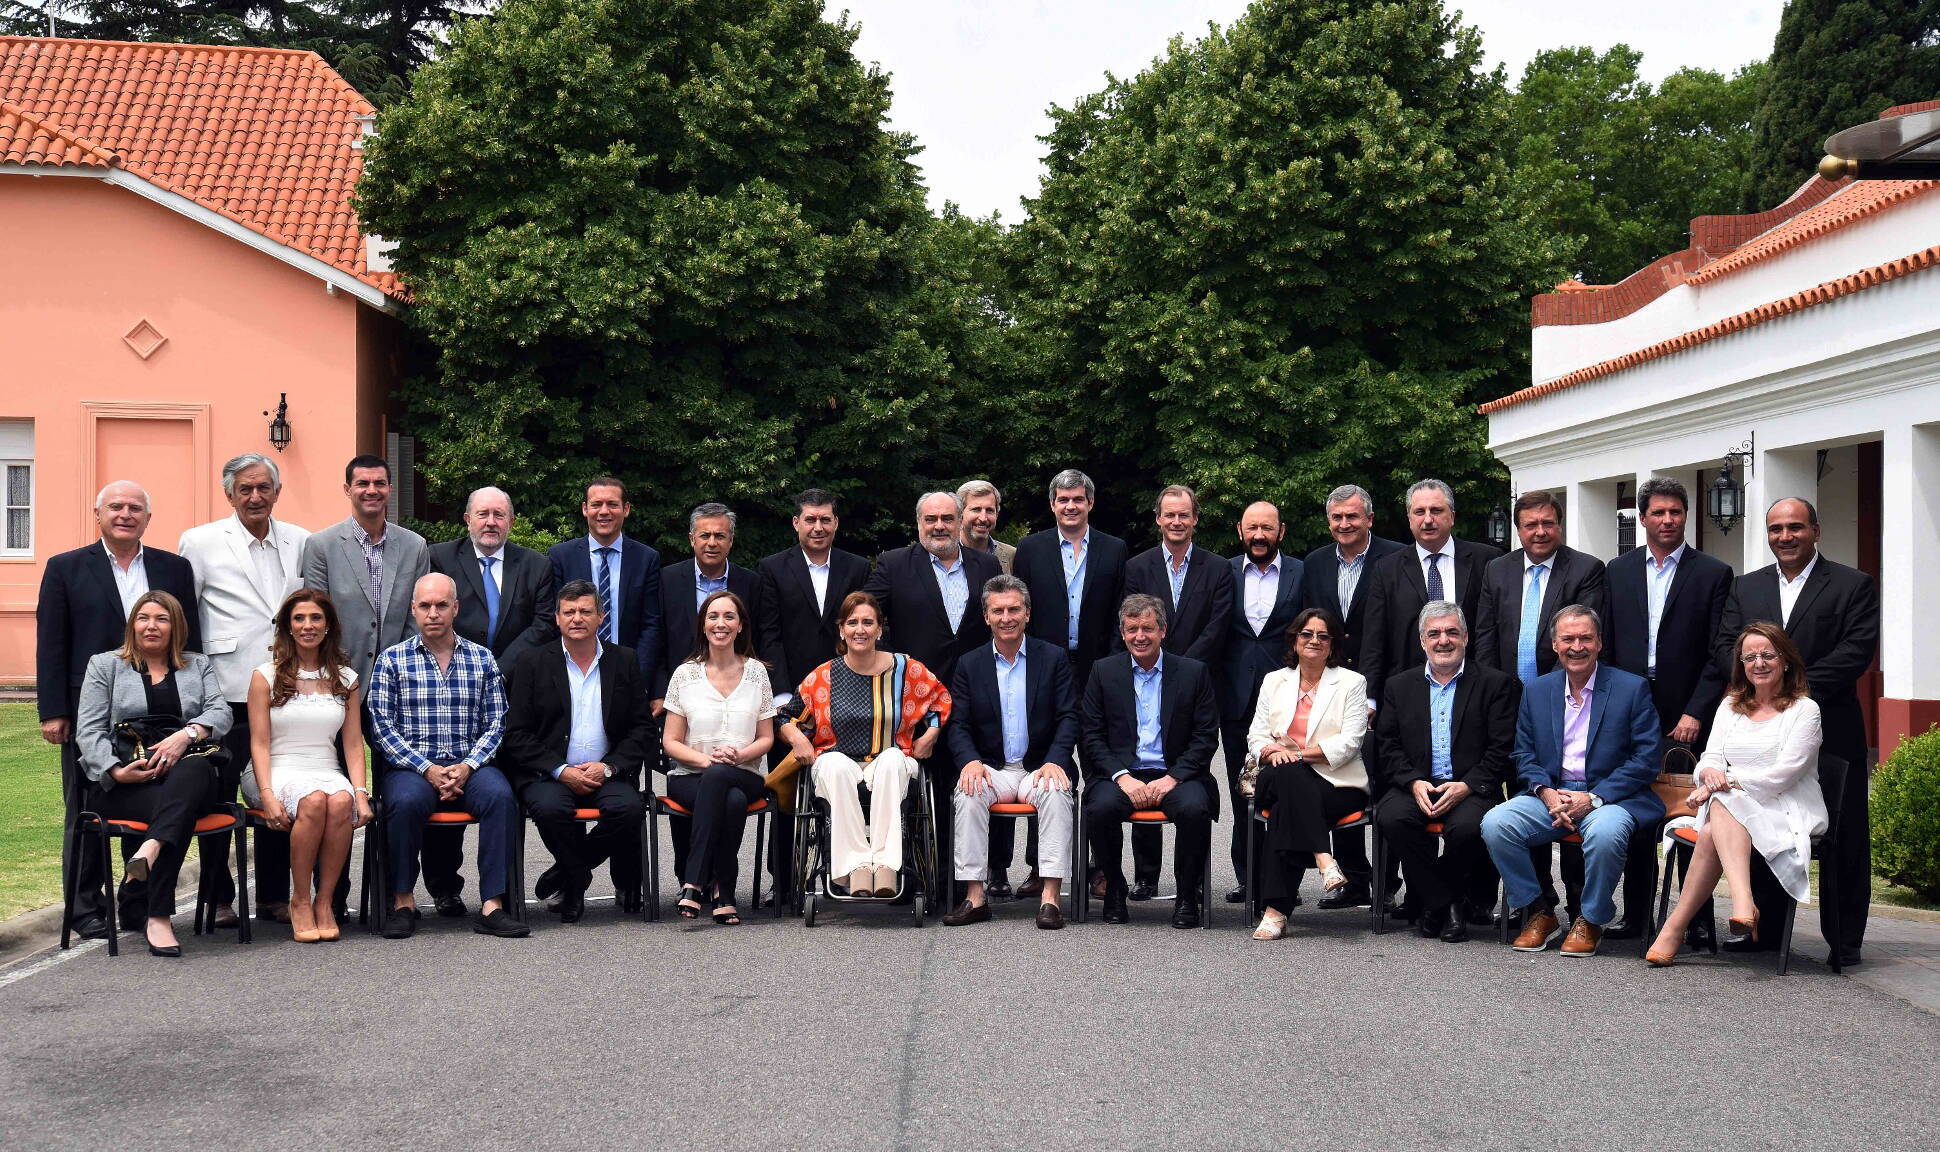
(609, 772)
(1595, 801)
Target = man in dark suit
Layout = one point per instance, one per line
(927, 592)
(1013, 727)
(1197, 589)
(684, 586)
(1266, 597)
(1521, 591)
(1585, 756)
(1831, 612)
(1662, 606)
(802, 588)
(1448, 732)
(1076, 576)
(85, 598)
(577, 735)
(504, 605)
(1149, 725)
(625, 572)
(1335, 576)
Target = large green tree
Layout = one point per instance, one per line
(1286, 256)
(1621, 166)
(1836, 63)
(672, 240)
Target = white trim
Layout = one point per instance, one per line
(301, 261)
(6, 507)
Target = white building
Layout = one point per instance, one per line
(1809, 334)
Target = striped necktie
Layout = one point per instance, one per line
(612, 628)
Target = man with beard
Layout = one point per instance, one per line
(981, 504)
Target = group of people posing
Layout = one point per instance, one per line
(1477, 707)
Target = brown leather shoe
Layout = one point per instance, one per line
(1050, 916)
(1538, 933)
(966, 913)
(1032, 887)
(1583, 938)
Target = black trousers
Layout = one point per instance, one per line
(719, 798)
(170, 807)
(578, 850)
(1232, 739)
(1188, 806)
(1303, 806)
(1436, 882)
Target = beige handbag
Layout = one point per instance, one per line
(1674, 788)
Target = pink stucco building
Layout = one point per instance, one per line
(180, 251)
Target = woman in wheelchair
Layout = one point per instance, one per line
(866, 718)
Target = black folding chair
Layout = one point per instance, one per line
(94, 826)
(1027, 812)
(1146, 817)
(658, 806)
(649, 909)
(1256, 818)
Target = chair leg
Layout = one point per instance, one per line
(70, 877)
(108, 882)
(1830, 924)
(1379, 864)
(518, 874)
(1254, 905)
(754, 880)
(243, 934)
(651, 846)
(203, 912)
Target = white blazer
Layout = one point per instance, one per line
(238, 615)
(1337, 721)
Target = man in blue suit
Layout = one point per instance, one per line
(1586, 753)
(625, 572)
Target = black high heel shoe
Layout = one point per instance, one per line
(721, 917)
(170, 951)
(689, 911)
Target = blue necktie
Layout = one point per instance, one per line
(491, 599)
(1434, 576)
(1532, 616)
(612, 627)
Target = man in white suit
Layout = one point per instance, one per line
(245, 564)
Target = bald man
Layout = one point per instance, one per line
(437, 711)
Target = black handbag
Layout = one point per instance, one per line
(133, 737)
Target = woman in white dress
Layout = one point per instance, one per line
(1758, 787)
(299, 703)
(720, 721)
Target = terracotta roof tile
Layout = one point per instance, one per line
(1849, 205)
(1797, 302)
(260, 135)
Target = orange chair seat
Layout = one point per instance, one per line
(214, 822)
(1686, 834)
(452, 818)
(1351, 818)
(1015, 808)
(257, 813)
(1149, 816)
(1572, 838)
(674, 805)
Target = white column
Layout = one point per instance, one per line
(1592, 523)
(1909, 556)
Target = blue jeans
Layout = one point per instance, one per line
(1511, 829)
(409, 800)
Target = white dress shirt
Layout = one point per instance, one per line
(266, 564)
(131, 581)
(586, 744)
(818, 576)
(1788, 590)
(1446, 567)
(1260, 589)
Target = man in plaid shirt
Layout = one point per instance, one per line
(437, 708)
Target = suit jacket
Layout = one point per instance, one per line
(1481, 731)
(915, 621)
(678, 613)
(796, 636)
(976, 728)
(1196, 626)
(1573, 578)
(638, 594)
(1693, 608)
(526, 597)
(1320, 588)
(1337, 721)
(539, 714)
(333, 562)
(1389, 641)
(1188, 721)
(112, 691)
(1005, 553)
(1620, 759)
(79, 613)
(1249, 655)
(1039, 563)
(237, 614)
(1834, 624)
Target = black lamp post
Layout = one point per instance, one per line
(1499, 526)
(279, 428)
(1727, 495)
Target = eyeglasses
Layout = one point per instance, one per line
(1310, 634)
(1759, 658)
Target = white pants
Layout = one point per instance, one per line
(1008, 786)
(854, 843)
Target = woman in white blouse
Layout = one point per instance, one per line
(720, 720)
(1306, 735)
(1758, 787)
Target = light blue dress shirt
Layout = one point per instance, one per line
(1441, 722)
(1657, 592)
(1013, 703)
(1260, 590)
(586, 743)
(955, 586)
(611, 630)
(1348, 577)
(1178, 575)
(1148, 689)
(705, 587)
(1074, 586)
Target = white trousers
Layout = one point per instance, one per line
(1008, 786)
(854, 842)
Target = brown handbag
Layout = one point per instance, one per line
(782, 781)
(1674, 788)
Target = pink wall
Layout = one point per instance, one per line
(86, 262)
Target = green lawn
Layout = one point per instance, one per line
(30, 813)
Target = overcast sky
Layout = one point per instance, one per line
(972, 78)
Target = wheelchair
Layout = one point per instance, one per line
(918, 879)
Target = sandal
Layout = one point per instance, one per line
(690, 902)
(1332, 879)
(729, 916)
(1273, 926)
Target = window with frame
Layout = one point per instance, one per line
(17, 487)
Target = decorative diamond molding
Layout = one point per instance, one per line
(143, 339)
